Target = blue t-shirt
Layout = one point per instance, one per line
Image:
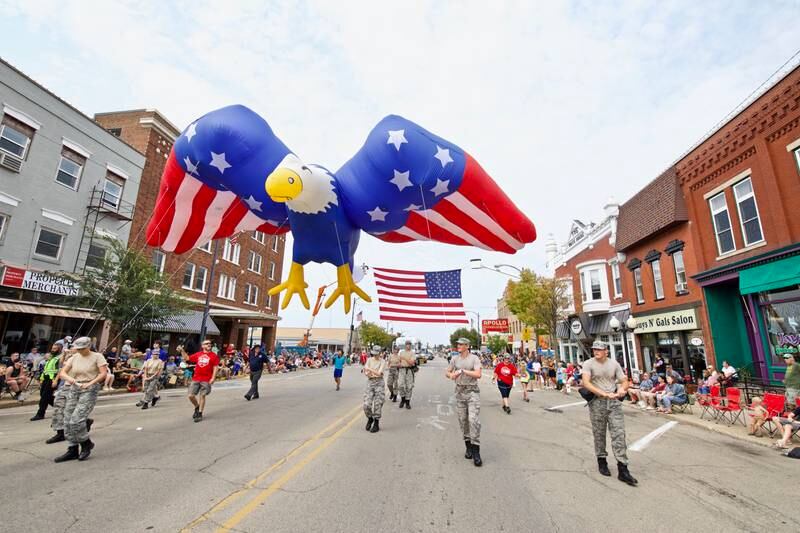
(257, 361)
(338, 362)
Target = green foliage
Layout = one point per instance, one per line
(538, 301)
(471, 334)
(496, 344)
(128, 290)
(372, 334)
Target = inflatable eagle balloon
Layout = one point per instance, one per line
(228, 172)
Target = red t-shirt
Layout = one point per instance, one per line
(205, 361)
(505, 372)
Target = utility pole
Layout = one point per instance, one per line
(206, 309)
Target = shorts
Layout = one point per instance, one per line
(786, 421)
(200, 388)
(551, 373)
(337, 372)
(505, 389)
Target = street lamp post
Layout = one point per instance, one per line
(624, 328)
(477, 264)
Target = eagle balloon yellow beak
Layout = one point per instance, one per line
(283, 184)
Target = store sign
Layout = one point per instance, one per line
(674, 321)
(576, 327)
(38, 281)
(787, 343)
(696, 341)
(497, 325)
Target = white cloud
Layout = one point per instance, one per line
(563, 103)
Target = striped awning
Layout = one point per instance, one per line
(599, 324)
(562, 330)
(189, 322)
(45, 310)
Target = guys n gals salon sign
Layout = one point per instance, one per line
(788, 343)
(38, 281)
(673, 321)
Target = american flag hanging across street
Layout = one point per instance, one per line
(414, 296)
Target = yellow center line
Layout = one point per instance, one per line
(235, 495)
(262, 496)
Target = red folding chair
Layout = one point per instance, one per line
(774, 404)
(730, 408)
(709, 401)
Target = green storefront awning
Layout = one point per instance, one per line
(774, 275)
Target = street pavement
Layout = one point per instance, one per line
(299, 459)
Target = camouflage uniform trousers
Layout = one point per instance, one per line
(605, 413)
(59, 402)
(150, 390)
(392, 382)
(405, 382)
(468, 407)
(374, 395)
(80, 403)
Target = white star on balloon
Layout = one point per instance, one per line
(253, 204)
(413, 207)
(377, 214)
(397, 137)
(441, 187)
(191, 131)
(443, 155)
(190, 167)
(401, 179)
(218, 160)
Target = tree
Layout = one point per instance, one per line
(538, 301)
(374, 335)
(126, 289)
(497, 344)
(471, 334)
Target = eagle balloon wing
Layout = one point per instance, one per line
(407, 184)
(213, 183)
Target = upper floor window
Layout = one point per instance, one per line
(250, 294)
(274, 243)
(658, 283)
(70, 168)
(797, 158)
(96, 256)
(49, 244)
(722, 223)
(569, 293)
(260, 236)
(748, 212)
(15, 137)
(206, 247)
(637, 281)
(195, 277)
(271, 270)
(591, 283)
(3, 225)
(112, 190)
(231, 251)
(159, 260)
(269, 301)
(227, 287)
(680, 272)
(617, 280)
(254, 262)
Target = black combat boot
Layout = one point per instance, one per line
(602, 466)
(58, 437)
(369, 423)
(625, 476)
(468, 454)
(89, 422)
(375, 426)
(402, 402)
(86, 449)
(72, 454)
(155, 400)
(393, 397)
(476, 454)
(145, 405)
(408, 403)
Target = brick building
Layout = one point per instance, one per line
(245, 270)
(654, 237)
(591, 269)
(740, 186)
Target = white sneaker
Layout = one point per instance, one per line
(650, 408)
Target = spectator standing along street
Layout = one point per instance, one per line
(48, 382)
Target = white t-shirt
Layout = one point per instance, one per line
(729, 371)
(537, 366)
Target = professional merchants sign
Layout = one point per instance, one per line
(38, 281)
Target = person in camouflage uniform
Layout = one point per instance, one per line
(394, 371)
(151, 372)
(405, 380)
(465, 370)
(375, 391)
(60, 401)
(606, 380)
(84, 372)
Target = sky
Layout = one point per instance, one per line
(565, 104)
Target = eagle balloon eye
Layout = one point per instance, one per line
(291, 181)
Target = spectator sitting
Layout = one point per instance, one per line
(134, 369)
(787, 425)
(280, 365)
(650, 397)
(675, 375)
(729, 375)
(645, 385)
(16, 376)
(758, 417)
(675, 393)
(224, 370)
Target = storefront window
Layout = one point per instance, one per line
(648, 343)
(781, 312)
(696, 346)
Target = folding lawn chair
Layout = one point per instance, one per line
(729, 407)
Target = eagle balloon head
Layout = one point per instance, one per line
(285, 183)
(303, 188)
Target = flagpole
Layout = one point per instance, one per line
(352, 328)
(206, 308)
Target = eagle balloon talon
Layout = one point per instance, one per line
(295, 284)
(346, 288)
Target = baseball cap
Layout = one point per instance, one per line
(788, 356)
(82, 342)
(128, 341)
(463, 340)
(599, 345)
(376, 350)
